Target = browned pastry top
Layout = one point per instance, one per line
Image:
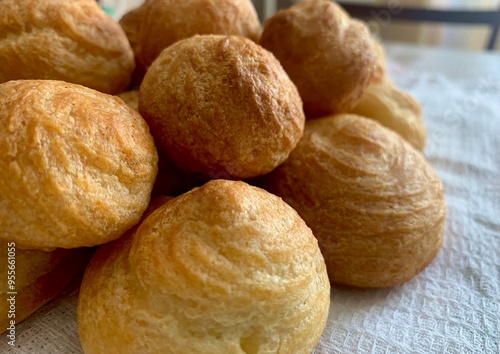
(221, 107)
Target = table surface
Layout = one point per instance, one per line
(454, 64)
(471, 5)
(453, 306)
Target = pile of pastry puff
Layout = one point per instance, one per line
(253, 169)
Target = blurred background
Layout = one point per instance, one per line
(461, 24)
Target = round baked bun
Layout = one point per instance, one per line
(72, 41)
(157, 24)
(221, 107)
(38, 277)
(224, 268)
(78, 165)
(395, 109)
(374, 203)
(330, 57)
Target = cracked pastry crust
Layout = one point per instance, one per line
(72, 41)
(330, 57)
(374, 203)
(221, 107)
(78, 165)
(224, 268)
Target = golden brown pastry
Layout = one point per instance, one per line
(374, 203)
(72, 41)
(78, 165)
(131, 98)
(330, 57)
(396, 110)
(157, 24)
(31, 278)
(225, 268)
(221, 107)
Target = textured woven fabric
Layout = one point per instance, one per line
(453, 306)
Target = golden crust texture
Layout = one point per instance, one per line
(374, 203)
(221, 107)
(160, 23)
(394, 109)
(39, 276)
(78, 166)
(72, 41)
(330, 57)
(225, 268)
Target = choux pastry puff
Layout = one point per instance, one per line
(221, 107)
(330, 57)
(374, 203)
(224, 268)
(72, 41)
(78, 166)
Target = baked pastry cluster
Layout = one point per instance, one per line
(213, 265)
(224, 268)
(338, 67)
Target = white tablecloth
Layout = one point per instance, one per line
(454, 305)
